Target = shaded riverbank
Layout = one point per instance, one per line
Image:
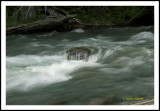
(34, 19)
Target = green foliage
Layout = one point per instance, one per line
(17, 15)
(11, 21)
(117, 15)
(120, 15)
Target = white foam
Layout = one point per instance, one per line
(95, 57)
(143, 36)
(26, 72)
(47, 34)
(78, 30)
(136, 61)
(35, 70)
(139, 38)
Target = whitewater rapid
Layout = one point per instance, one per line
(29, 71)
(122, 59)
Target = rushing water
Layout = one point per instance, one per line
(121, 65)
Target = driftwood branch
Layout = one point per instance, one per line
(78, 21)
(27, 13)
(50, 24)
(18, 10)
(134, 16)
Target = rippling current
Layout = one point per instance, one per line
(121, 65)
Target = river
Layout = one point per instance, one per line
(121, 65)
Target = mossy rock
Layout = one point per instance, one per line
(78, 53)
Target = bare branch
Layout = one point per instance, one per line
(134, 16)
(78, 21)
(45, 9)
(27, 13)
(18, 11)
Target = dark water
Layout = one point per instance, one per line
(121, 65)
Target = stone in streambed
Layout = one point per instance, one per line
(105, 101)
(78, 53)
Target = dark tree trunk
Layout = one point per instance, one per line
(49, 24)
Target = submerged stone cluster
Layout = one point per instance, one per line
(78, 53)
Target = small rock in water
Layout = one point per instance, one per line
(106, 101)
(78, 53)
(58, 103)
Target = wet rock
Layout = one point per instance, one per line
(58, 103)
(78, 53)
(106, 101)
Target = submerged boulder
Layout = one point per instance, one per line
(105, 101)
(78, 53)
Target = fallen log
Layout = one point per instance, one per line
(49, 24)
